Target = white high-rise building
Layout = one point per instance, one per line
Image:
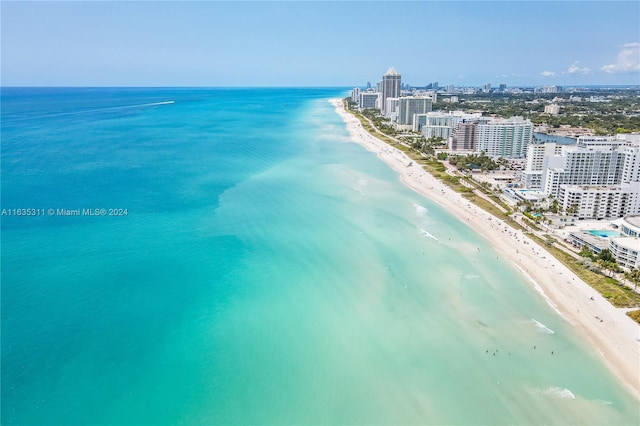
(506, 138)
(355, 95)
(598, 178)
(391, 108)
(595, 160)
(631, 164)
(536, 153)
(440, 124)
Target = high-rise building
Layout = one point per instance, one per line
(391, 108)
(464, 137)
(506, 138)
(536, 153)
(595, 160)
(440, 124)
(369, 100)
(598, 177)
(355, 95)
(390, 87)
(410, 105)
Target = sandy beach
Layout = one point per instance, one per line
(615, 336)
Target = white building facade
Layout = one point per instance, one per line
(355, 95)
(600, 202)
(531, 176)
(506, 138)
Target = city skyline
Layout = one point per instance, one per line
(319, 43)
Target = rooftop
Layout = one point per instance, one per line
(392, 71)
(633, 220)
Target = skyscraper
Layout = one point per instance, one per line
(391, 83)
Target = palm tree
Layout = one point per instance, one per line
(633, 276)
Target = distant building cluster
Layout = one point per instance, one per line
(389, 100)
(596, 178)
(496, 137)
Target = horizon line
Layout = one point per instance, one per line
(528, 85)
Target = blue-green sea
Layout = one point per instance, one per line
(253, 266)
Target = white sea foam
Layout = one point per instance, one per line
(541, 291)
(542, 328)
(603, 402)
(428, 234)
(420, 210)
(360, 185)
(557, 392)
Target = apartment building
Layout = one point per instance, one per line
(506, 138)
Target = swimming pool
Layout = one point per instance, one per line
(603, 233)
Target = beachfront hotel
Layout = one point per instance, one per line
(623, 242)
(597, 178)
(506, 138)
(391, 108)
(441, 124)
(355, 95)
(594, 160)
(409, 106)
(465, 136)
(369, 100)
(600, 201)
(536, 153)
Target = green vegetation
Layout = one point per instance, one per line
(619, 295)
(635, 315)
(618, 111)
(473, 161)
(379, 121)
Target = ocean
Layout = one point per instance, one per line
(226, 256)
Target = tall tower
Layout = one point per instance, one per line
(391, 83)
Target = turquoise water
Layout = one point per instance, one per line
(603, 233)
(267, 271)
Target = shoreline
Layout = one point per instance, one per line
(616, 338)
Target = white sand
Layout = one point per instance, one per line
(616, 337)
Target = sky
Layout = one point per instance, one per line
(318, 43)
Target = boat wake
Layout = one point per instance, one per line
(90, 111)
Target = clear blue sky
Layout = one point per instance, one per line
(314, 43)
